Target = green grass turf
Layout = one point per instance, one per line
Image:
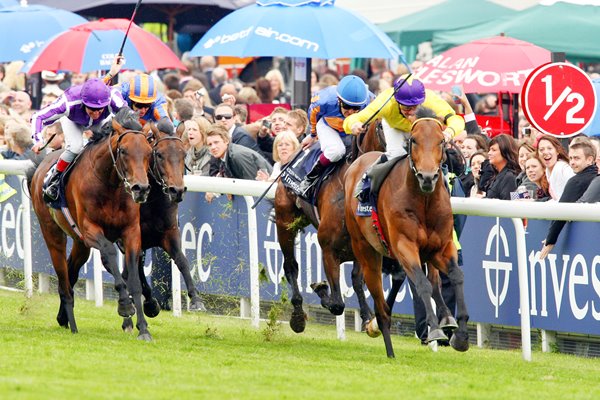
(200, 356)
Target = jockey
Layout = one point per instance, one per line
(142, 96)
(327, 111)
(78, 108)
(398, 114)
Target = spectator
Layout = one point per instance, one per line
(228, 93)
(218, 79)
(596, 142)
(224, 116)
(19, 104)
(173, 94)
(78, 78)
(185, 75)
(48, 99)
(18, 141)
(171, 81)
(198, 95)
(51, 83)
(184, 110)
(263, 90)
(503, 159)
(207, 65)
(198, 157)
(582, 159)
(54, 137)
(240, 114)
(328, 80)
(525, 149)
(232, 160)
(297, 121)
(534, 168)
(248, 95)
(286, 144)
(470, 145)
(277, 83)
(476, 162)
(555, 159)
(488, 105)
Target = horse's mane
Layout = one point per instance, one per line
(126, 117)
(424, 112)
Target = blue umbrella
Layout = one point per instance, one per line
(296, 28)
(8, 3)
(24, 29)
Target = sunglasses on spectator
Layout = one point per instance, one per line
(140, 105)
(92, 109)
(223, 116)
(349, 107)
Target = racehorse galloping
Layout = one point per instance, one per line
(416, 222)
(103, 195)
(158, 216)
(331, 233)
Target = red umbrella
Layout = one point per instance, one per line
(92, 46)
(497, 64)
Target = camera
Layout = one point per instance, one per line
(266, 123)
(456, 94)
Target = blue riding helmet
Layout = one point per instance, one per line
(95, 93)
(352, 91)
(411, 93)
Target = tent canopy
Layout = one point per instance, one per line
(561, 27)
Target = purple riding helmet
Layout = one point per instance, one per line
(411, 93)
(95, 93)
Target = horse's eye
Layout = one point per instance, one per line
(159, 156)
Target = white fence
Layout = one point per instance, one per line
(467, 206)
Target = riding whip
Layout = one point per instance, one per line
(137, 5)
(393, 94)
(262, 196)
(48, 142)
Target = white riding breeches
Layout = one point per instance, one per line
(395, 140)
(331, 143)
(73, 138)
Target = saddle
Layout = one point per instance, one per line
(368, 189)
(61, 201)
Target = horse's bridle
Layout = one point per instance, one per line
(115, 159)
(410, 143)
(379, 133)
(154, 169)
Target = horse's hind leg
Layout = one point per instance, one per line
(151, 306)
(358, 285)
(446, 319)
(57, 248)
(334, 302)
(172, 245)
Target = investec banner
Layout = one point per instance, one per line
(564, 289)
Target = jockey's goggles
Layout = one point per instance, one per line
(140, 105)
(407, 108)
(92, 109)
(349, 107)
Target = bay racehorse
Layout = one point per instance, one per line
(158, 215)
(416, 221)
(293, 214)
(103, 195)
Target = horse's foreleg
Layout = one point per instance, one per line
(358, 285)
(108, 255)
(398, 278)
(290, 268)
(172, 245)
(78, 256)
(334, 303)
(445, 317)
(151, 306)
(132, 244)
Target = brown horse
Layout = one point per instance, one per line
(331, 233)
(416, 222)
(158, 215)
(103, 194)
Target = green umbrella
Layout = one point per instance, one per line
(410, 30)
(561, 27)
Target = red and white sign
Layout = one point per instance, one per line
(559, 99)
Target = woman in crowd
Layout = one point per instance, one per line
(198, 157)
(286, 144)
(524, 150)
(475, 162)
(503, 158)
(278, 87)
(534, 168)
(556, 161)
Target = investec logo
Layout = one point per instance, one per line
(496, 293)
(264, 32)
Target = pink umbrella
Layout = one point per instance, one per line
(497, 64)
(93, 45)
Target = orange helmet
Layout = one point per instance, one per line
(142, 89)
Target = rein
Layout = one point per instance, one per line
(116, 158)
(155, 170)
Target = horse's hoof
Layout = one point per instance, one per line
(448, 323)
(126, 310)
(298, 321)
(320, 288)
(459, 342)
(151, 308)
(337, 309)
(373, 328)
(146, 337)
(127, 325)
(436, 334)
(196, 305)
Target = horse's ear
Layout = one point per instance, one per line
(117, 127)
(180, 130)
(150, 131)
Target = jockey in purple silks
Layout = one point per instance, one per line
(78, 109)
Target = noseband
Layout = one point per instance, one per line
(411, 140)
(154, 169)
(115, 159)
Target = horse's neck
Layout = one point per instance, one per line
(103, 164)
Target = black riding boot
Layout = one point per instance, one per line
(51, 191)
(311, 178)
(365, 187)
